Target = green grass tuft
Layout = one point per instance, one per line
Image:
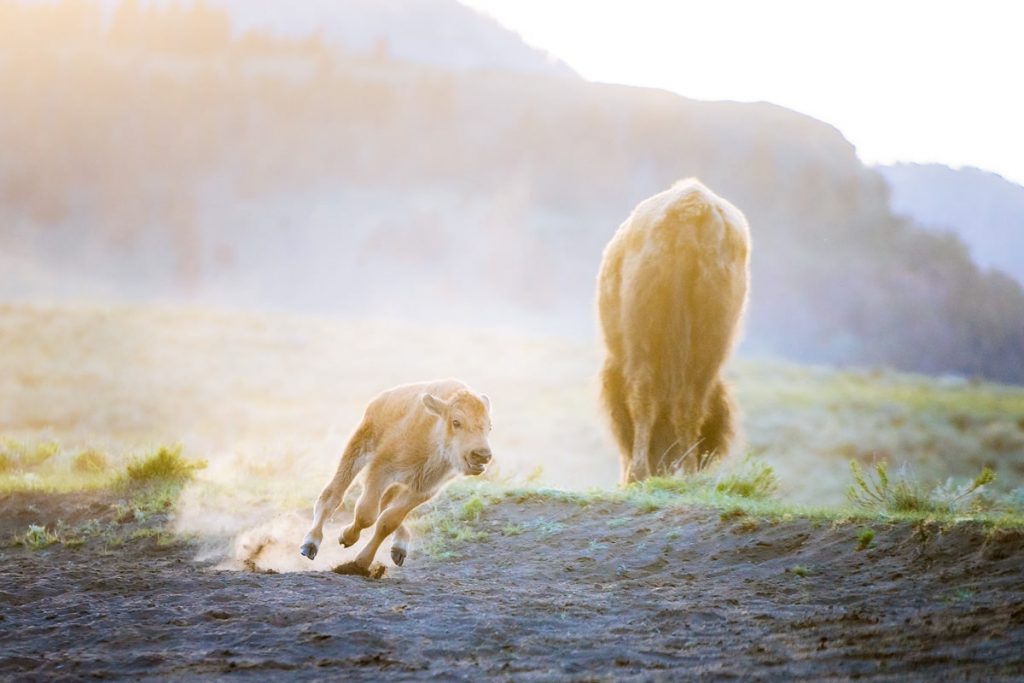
(17, 455)
(865, 537)
(38, 537)
(472, 508)
(450, 520)
(161, 537)
(754, 479)
(165, 465)
(90, 462)
(751, 479)
(881, 493)
(548, 527)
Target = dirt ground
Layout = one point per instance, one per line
(605, 592)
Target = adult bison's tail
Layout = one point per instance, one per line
(719, 425)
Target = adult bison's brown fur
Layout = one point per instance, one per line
(671, 292)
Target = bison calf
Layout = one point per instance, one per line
(412, 440)
(671, 291)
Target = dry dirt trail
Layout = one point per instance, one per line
(606, 592)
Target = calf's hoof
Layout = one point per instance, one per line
(398, 555)
(374, 571)
(308, 550)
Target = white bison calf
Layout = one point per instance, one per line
(412, 440)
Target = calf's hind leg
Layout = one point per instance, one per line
(330, 498)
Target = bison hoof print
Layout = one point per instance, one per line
(398, 556)
(308, 550)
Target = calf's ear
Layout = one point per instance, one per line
(434, 405)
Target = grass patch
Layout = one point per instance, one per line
(157, 498)
(154, 483)
(90, 461)
(879, 492)
(162, 538)
(754, 479)
(751, 479)
(548, 527)
(732, 503)
(165, 465)
(472, 508)
(799, 570)
(19, 455)
(141, 498)
(865, 537)
(38, 537)
(443, 534)
(451, 521)
(59, 481)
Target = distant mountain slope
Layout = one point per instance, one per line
(984, 209)
(172, 159)
(441, 33)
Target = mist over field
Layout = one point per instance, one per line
(216, 154)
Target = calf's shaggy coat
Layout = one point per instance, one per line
(671, 292)
(412, 440)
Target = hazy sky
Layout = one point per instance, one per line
(904, 80)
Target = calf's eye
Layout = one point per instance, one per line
(456, 424)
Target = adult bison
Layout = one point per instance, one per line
(671, 292)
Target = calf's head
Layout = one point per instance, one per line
(465, 423)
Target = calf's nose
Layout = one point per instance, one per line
(482, 455)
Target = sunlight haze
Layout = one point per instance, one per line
(908, 81)
(427, 340)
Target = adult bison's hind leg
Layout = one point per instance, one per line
(642, 413)
(718, 426)
(613, 394)
(664, 448)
